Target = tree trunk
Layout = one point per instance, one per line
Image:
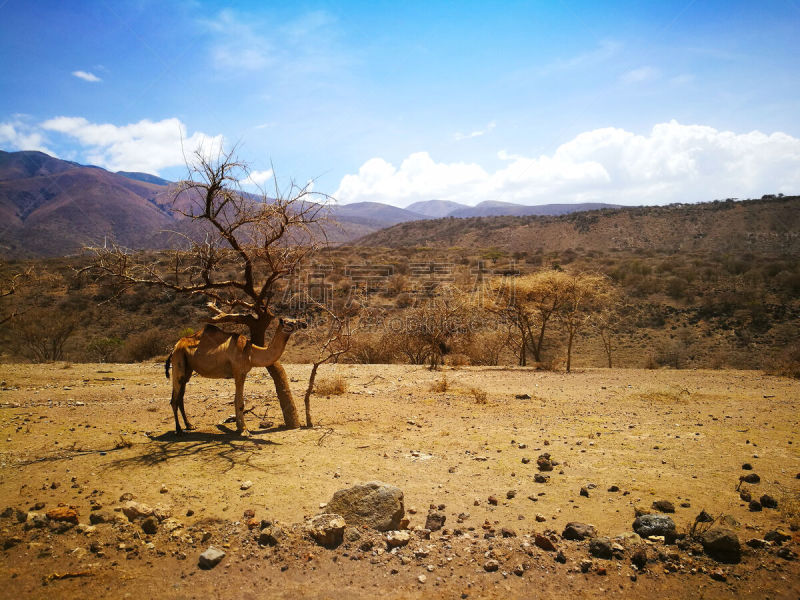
(291, 420)
(309, 390)
(569, 350)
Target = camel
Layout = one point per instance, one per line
(218, 354)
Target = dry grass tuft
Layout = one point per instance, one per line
(440, 386)
(330, 386)
(481, 397)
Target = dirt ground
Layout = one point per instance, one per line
(84, 435)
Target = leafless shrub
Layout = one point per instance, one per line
(481, 397)
(330, 386)
(441, 385)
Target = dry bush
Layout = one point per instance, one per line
(457, 360)
(440, 386)
(481, 397)
(371, 348)
(785, 364)
(144, 345)
(330, 386)
(486, 348)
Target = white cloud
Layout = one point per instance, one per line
(147, 146)
(259, 178)
(458, 136)
(86, 76)
(19, 135)
(672, 163)
(640, 75)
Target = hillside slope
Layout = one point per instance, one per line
(766, 225)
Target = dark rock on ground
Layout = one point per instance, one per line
(539, 478)
(491, 565)
(755, 506)
(768, 501)
(544, 542)
(747, 467)
(664, 506)
(613, 488)
(578, 531)
(639, 558)
(269, 536)
(750, 478)
(584, 492)
(561, 557)
(493, 500)
(777, 536)
(654, 524)
(601, 548)
(544, 463)
(786, 553)
(722, 545)
(745, 496)
(703, 517)
(373, 504)
(435, 520)
(150, 525)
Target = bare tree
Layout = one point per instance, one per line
(10, 285)
(239, 250)
(332, 335)
(583, 296)
(42, 336)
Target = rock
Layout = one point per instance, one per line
(511, 494)
(10, 542)
(777, 536)
(422, 578)
(397, 539)
(750, 478)
(561, 557)
(584, 492)
(654, 524)
(519, 570)
(545, 543)
(756, 543)
(435, 520)
(268, 537)
(63, 514)
(722, 545)
(703, 517)
(491, 565)
(540, 518)
(507, 532)
(539, 478)
(585, 565)
(747, 467)
(718, 575)
(639, 558)
(754, 506)
(493, 500)
(161, 512)
(525, 460)
(786, 553)
(210, 558)
(745, 496)
(127, 496)
(150, 525)
(640, 510)
(373, 504)
(326, 529)
(664, 506)
(544, 463)
(246, 485)
(768, 501)
(578, 531)
(95, 518)
(135, 510)
(163, 489)
(601, 548)
(8, 512)
(613, 488)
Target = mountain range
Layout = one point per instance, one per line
(52, 207)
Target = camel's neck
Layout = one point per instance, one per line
(264, 357)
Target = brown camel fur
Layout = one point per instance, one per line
(214, 353)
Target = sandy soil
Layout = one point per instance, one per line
(84, 435)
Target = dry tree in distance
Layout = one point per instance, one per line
(237, 250)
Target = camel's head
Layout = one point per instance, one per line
(291, 325)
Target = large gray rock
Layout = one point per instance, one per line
(374, 504)
(210, 558)
(722, 545)
(656, 524)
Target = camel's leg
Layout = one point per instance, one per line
(189, 426)
(238, 403)
(177, 395)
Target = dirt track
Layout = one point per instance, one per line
(90, 433)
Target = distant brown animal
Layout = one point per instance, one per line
(218, 354)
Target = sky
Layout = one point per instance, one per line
(532, 102)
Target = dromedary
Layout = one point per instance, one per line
(214, 353)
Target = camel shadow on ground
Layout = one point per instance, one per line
(227, 449)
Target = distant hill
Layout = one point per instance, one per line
(766, 225)
(493, 208)
(373, 214)
(435, 209)
(146, 177)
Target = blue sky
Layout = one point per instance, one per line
(636, 103)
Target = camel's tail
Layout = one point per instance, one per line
(166, 365)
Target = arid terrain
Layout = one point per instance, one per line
(85, 436)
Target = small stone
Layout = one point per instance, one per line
(578, 531)
(756, 543)
(718, 575)
(639, 558)
(777, 536)
(544, 542)
(754, 506)
(493, 500)
(539, 478)
(126, 497)
(150, 525)
(703, 517)
(507, 532)
(722, 545)
(326, 529)
(422, 578)
(745, 496)
(210, 558)
(544, 463)
(585, 565)
(525, 460)
(750, 478)
(664, 506)
(747, 467)
(601, 548)
(584, 492)
(135, 510)
(63, 513)
(397, 539)
(613, 488)
(95, 518)
(246, 485)
(654, 524)
(786, 553)
(768, 501)
(519, 570)
(511, 494)
(540, 518)
(435, 520)
(268, 537)
(601, 571)
(491, 565)
(163, 489)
